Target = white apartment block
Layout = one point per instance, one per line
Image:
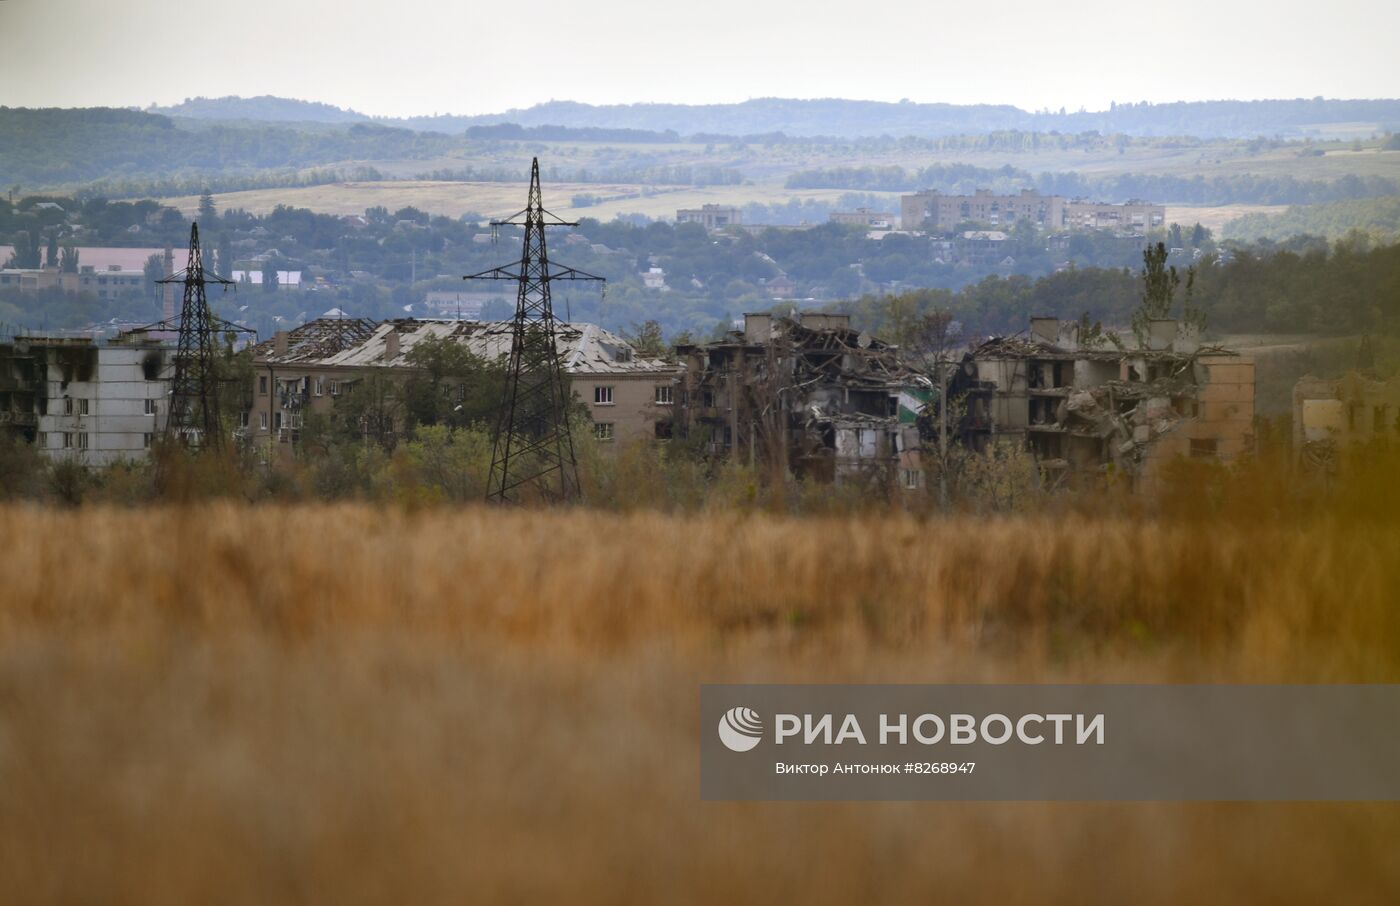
(98, 404)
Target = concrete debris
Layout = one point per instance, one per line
(807, 395)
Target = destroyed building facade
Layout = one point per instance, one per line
(1333, 415)
(1085, 405)
(805, 395)
(79, 400)
(308, 368)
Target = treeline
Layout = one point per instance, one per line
(680, 175)
(1346, 288)
(516, 132)
(1244, 188)
(194, 185)
(1378, 218)
(57, 147)
(944, 177)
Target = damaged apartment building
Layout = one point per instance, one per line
(1084, 406)
(806, 395)
(1334, 415)
(306, 369)
(79, 400)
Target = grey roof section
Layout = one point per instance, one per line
(585, 348)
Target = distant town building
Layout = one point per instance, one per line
(107, 284)
(875, 220)
(711, 216)
(468, 305)
(654, 278)
(288, 280)
(934, 210)
(1135, 217)
(105, 272)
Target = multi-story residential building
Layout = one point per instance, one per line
(308, 368)
(1332, 415)
(105, 284)
(1083, 406)
(934, 210)
(1135, 217)
(711, 216)
(75, 399)
(864, 217)
(807, 395)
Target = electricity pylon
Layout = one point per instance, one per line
(532, 446)
(193, 418)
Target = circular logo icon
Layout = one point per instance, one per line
(740, 729)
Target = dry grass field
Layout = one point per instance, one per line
(766, 168)
(500, 199)
(356, 704)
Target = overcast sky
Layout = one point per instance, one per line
(461, 56)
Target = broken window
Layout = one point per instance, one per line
(663, 429)
(150, 407)
(1204, 447)
(262, 385)
(603, 430)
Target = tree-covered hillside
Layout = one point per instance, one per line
(47, 147)
(265, 108)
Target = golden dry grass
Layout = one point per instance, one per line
(355, 704)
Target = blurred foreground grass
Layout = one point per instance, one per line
(347, 704)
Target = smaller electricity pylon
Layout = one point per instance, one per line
(193, 419)
(532, 445)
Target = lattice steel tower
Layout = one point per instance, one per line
(532, 446)
(193, 417)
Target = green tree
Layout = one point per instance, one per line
(224, 259)
(207, 211)
(269, 276)
(26, 253)
(646, 340)
(451, 386)
(155, 270)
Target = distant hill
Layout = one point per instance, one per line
(839, 118)
(266, 109)
(849, 119)
(49, 146)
